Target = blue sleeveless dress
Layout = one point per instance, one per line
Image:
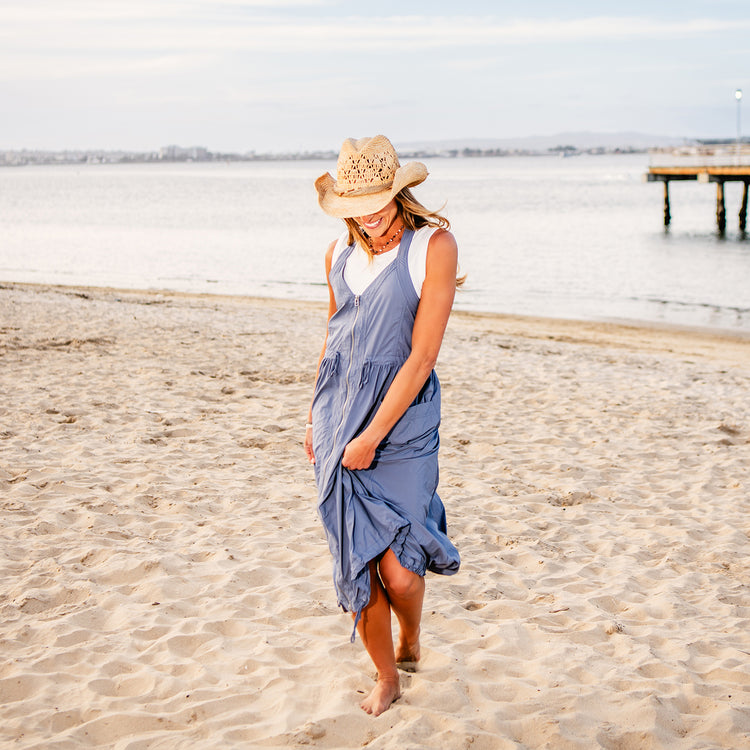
(394, 503)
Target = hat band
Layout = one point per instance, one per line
(366, 190)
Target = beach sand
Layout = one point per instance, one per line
(165, 582)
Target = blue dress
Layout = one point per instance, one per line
(394, 503)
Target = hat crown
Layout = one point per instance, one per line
(365, 166)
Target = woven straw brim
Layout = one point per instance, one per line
(349, 206)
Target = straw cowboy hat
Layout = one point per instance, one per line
(368, 176)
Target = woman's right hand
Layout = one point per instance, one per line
(308, 445)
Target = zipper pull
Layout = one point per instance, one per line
(356, 300)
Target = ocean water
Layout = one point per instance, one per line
(579, 238)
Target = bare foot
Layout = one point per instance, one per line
(407, 655)
(385, 692)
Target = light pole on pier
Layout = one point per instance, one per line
(743, 207)
(738, 97)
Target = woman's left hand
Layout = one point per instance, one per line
(358, 454)
(308, 445)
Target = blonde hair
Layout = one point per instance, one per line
(412, 213)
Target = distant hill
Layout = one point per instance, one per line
(578, 140)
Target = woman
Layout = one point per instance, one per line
(372, 430)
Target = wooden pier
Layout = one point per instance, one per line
(719, 163)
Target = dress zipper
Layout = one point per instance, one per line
(348, 369)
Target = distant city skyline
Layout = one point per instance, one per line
(565, 144)
(301, 75)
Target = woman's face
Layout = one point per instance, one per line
(376, 225)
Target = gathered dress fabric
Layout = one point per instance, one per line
(393, 503)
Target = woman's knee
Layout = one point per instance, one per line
(399, 581)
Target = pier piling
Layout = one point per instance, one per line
(721, 211)
(743, 207)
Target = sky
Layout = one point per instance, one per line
(301, 75)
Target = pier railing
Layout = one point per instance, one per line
(724, 155)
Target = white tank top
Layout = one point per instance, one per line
(361, 271)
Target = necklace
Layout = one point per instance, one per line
(388, 242)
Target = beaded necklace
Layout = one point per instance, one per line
(388, 242)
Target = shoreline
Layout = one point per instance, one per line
(165, 582)
(513, 320)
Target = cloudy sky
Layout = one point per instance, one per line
(277, 75)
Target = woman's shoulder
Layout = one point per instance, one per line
(442, 236)
(426, 238)
(443, 251)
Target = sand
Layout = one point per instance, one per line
(165, 582)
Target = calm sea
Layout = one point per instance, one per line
(580, 237)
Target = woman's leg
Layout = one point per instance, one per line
(405, 591)
(374, 629)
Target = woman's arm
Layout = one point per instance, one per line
(331, 311)
(435, 304)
